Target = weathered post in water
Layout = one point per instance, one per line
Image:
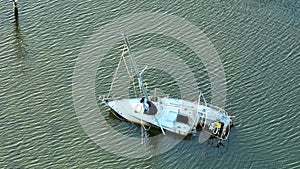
(16, 9)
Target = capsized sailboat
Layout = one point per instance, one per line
(175, 115)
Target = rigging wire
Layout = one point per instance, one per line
(114, 77)
(124, 51)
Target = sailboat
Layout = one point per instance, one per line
(175, 115)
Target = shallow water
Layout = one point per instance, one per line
(257, 43)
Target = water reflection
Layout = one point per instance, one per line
(19, 41)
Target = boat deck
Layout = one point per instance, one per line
(175, 115)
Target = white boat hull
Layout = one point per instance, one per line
(175, 115)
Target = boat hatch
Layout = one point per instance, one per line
(182, 119)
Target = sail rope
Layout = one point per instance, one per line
(145, 127)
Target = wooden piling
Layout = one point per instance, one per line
(16, 10)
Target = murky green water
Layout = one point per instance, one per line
(257, 42)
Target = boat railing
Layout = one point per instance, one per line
(192, 107)
(105, 98)
(210, 105)
(215, 107)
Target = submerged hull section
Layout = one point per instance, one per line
(175, 115)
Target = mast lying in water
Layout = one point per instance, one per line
(139, 74)
(145, 101)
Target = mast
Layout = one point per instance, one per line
(139, 74)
